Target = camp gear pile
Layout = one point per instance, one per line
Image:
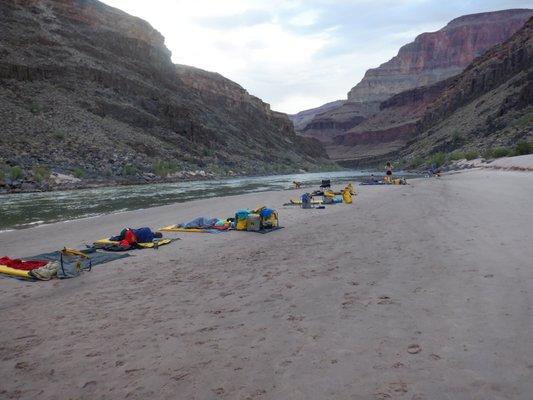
(326, 196)
(261, 219)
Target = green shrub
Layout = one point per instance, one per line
(456, 139)
(523, 148)
(163, 168)
(40, 173)
(59, 135)
(524, 120)
(437, 159)
(456, 155)
(499, 152)
(129, 170)
(35, 108)
(416, 162)
(208, 152)
(78, 173)
(471, 155)
(15, 172)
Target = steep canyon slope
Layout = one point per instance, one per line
(85, 87)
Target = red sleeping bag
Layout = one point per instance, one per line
(23, 265)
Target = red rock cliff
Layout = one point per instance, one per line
(435, 56)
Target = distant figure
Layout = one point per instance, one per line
(388, 176)
(389, 169)
(297, 185)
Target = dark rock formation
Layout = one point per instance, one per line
(85, 87)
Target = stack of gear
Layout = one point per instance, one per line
(329, 197)
(241, 220)
(347, 194)
(268, 218)
(262, 219)
(351, 189)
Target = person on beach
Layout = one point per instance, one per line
(388, 177)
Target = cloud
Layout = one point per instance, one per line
(297, 54)
(306, 18)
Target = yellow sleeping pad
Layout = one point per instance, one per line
(174, 228)
(299, 202)
(148, 245)
(4, 269)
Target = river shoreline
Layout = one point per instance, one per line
(31, 186)
(22, 210)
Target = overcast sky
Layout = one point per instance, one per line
(297, 54)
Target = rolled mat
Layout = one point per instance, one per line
(14, 272)
(174, 228)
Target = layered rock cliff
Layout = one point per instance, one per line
(489, 104)
(87, 88)
(436, 56)
(386, 105)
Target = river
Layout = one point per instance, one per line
(23, 210)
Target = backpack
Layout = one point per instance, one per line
(241, 220)
(306, 200)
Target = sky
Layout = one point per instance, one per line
(297, 54)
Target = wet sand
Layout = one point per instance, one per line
(413, 292)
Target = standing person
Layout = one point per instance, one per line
(389, 172)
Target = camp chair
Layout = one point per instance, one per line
(326, 183)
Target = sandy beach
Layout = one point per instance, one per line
(418, 292)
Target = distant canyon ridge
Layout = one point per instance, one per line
(386, 113)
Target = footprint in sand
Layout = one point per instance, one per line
(387, 390)
(414, 349)
(384, 300)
